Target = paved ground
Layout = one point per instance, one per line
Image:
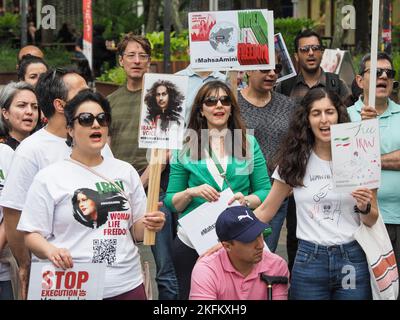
(147, 255)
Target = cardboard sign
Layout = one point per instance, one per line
(162, 119)
(85, 281)
(232, 40)
(199, 224)
(288, 70)
(356, 155)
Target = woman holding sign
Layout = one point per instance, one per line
(90, 209)
(329, 264)
(217, 155)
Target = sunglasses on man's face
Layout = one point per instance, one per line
(379, 72)
(313, 47)
(277, 70)
(86, 119)
(213, 101)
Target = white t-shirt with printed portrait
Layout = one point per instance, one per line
(52, 210)
(324, 217)
(33, 154)
(6, 156)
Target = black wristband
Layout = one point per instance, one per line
(366, 211)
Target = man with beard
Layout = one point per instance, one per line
(308, 55)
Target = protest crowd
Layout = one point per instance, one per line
(76, 175)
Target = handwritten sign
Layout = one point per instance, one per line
(85, 281)
(199, 224)
(356, 155)
(162, 119)
(232, 40)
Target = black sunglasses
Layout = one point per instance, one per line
(277, 70)
(58, 70)
(379, 72)
(86, 119)
(213, 101)
(313, 47)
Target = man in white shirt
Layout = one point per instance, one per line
(44, 147)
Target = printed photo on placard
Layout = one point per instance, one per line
(283, 57)
(162, 119)
(332, 60)
(232, 40)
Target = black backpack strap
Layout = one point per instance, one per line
(287, 86)
(332, 82)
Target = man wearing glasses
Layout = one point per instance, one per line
(308, 55)
(267, 113)
(134, 56)
(388, 113)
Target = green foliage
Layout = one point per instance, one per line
(117, 17)
(9, 24)
(179, 43)
(290, 27)
(55, 57)
(116, 75)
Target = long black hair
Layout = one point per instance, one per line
(174, 108)
(295, 149)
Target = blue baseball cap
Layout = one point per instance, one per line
(239, 223)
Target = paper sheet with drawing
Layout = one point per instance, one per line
(199, 224)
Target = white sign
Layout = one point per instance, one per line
(85, 281)
(356, 155)
(162, 117)
(232, 40)
(288, 70)
(199, 224)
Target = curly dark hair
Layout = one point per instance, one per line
(175, 100)
(295, 149)
(105, 203)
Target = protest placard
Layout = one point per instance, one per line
(356, 158)
(232, 40)
(85, 281)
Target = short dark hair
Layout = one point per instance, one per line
(305, 34)
(143, 41)
(24, 64)
(51, 86)
(381, 56)
(83, 96)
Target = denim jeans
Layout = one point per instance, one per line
(162, 251)
(6, 290)
(330, 273)
(276, 224)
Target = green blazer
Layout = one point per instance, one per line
(245, 176)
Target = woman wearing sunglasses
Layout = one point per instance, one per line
(67, 196)
(216, 144)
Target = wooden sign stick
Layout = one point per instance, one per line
(153, 191)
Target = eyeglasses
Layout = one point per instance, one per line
(86, 119)
(213, 101)
(59, 70)
(277, 70)
(313, 47)
(379, 72)
(141, 56)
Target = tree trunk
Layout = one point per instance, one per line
(176, 21)
(152, 16)
(362, 25)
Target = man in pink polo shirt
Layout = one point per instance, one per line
(233, 272)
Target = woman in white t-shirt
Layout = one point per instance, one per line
(88, 208)
(329, 263)
(6, 289)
